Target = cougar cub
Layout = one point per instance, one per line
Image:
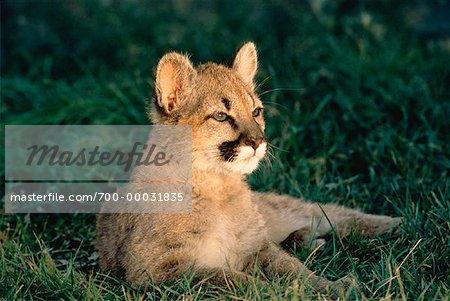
(230, 228)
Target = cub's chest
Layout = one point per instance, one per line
(234, 234)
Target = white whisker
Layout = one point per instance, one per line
(281, 89)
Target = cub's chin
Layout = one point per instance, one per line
(247, 159)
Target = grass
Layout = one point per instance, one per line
(357, 109)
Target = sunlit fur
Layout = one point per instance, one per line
(230, 228)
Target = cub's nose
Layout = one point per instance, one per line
(254, 142)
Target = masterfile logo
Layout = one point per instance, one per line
(72, 168)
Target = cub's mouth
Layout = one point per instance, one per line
(242, 159)
(243, 148)
(247, 152)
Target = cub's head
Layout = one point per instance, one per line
(220, 105)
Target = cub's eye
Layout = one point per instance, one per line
(256, 112)
(219, 116)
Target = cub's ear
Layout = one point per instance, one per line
(246, 62)
(174, 76)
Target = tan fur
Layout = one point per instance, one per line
(230, 227)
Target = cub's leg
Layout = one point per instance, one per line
(140, 276)
(164, 247)
(275, 261)
(285, 215)
(110, 243)
(223, 276)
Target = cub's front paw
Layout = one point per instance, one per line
(304, 239)
(316, 244)
(396, 227)
(345, 283)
